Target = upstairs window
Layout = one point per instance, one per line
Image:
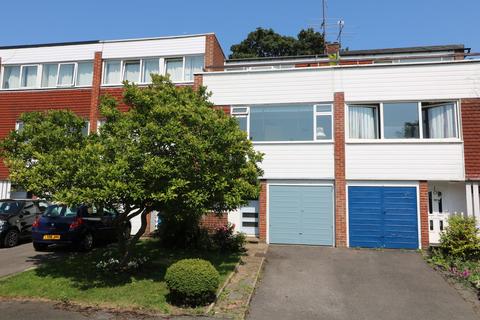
(150, 66)
(29, 76)
(294, 122)
(49, 76)
(131, 71)
(363, 121)
(193, 65)
(439, 121)
(85, 74)
(401, 120)
(174, 68)
(112, 72)
(11, 77)
(65, 74)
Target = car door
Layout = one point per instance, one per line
(27, 216)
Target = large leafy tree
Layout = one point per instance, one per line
(267, 43)
(170, 152)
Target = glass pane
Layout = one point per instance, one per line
(193, 65)
(324, 127)
(112, 72)
(239, 110)
(131, 71)
(324, 108)
(65, 74)
(400, 120)
(174, 69)
(149, 66)
(439, 122)
(11, 77)
(29, 76)
(49, 77)
(363, 122)
(242, 122)
(85, 74)
(86, 128)
(281, 123)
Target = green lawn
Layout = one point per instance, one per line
(75, 278)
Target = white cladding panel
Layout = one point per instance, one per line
(162, 47)
(365, 83)
(5, 187)
(297, 161)
(402, 161)
(154, 48)
(50, 54)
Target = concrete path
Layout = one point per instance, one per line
(301, 282)
(20, 258)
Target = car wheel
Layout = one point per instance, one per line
(11, 238)
(39, 246)
(87, 242)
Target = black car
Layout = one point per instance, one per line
(16, 219)
(79, 227)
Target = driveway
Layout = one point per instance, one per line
(20, 258)
(330, 283)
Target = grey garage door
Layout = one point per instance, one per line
(301, 214)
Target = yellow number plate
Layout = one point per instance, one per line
(51, 237)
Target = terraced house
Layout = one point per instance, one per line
(374, 148)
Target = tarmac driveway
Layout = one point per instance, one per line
(301, 282)
(20, 258)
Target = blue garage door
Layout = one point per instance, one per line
(383, 217)
(301, 215)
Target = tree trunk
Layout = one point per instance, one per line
(130, 245)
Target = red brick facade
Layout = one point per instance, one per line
(262, 214)
(423, 190)
(212, 221)
(340, 184)
(96, 83)
(470, 110)
(214, 57)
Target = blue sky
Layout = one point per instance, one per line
(369, 24)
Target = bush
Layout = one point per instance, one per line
(225, 238)
(192, 282)
(460, 239)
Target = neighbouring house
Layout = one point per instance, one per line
(74, 75)
(365, 148)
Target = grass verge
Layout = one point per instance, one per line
(75, 278)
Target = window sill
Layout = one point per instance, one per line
(46, 88)
(144, 84)
(404, 141)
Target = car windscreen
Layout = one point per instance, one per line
(60, 211)
(9, 207)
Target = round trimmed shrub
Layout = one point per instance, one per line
(192, 282)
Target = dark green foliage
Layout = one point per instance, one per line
(268, 43)
(460, 239)
(225, 239)
(192, 282)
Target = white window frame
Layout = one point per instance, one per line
(100, 123)
(456, 116)
(76, 73)
(2, 71)
(17, 125)
(420, 139)
(122, 68)
(379, 109)
(38, 80)
(74, 78)
(322, 113)
(245, 114)
(183, 68)
(314, 122)
(161, 70)
(88, 126)
(142, 71)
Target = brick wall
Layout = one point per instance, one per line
(212, 221)
(96, 83)
(262, 214)
(340, 185)
(470, 109)
(214, 56)
(14, 103)
(424, 214)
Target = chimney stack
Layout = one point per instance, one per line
(332, 48)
